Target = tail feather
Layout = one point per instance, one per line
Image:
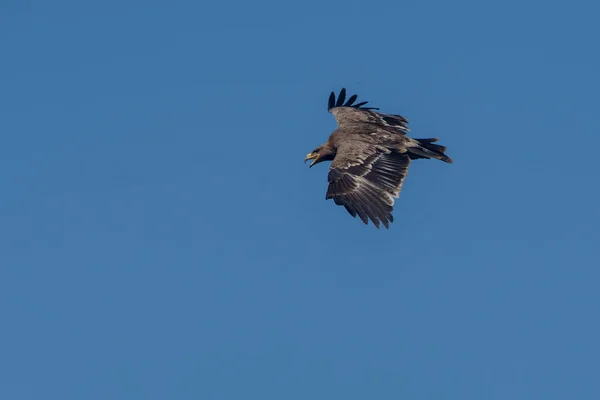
(424, 148)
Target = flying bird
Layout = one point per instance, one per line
(370, 154)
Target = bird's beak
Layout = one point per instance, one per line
(311, 156)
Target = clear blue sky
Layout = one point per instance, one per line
(160, 237)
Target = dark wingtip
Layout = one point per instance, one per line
(342, 97)
(331, 101)
(361, 104)
(351, 100)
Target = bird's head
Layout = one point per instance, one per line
(322, 153)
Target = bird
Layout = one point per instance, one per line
(370, 153)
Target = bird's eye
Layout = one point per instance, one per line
(315, 151)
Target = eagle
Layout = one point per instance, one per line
(370, 153)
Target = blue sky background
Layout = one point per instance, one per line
(161, 238)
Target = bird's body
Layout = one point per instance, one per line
(370, 154)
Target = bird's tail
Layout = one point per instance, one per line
(424, 148)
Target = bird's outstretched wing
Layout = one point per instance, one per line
(365, 178)
(349, 113)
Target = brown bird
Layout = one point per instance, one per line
(370, 155)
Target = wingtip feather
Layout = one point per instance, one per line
(331, 103)
(351, 100)
(341, 98)
(339, 102)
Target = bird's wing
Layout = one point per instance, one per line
(365, 178)
(347, 113)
